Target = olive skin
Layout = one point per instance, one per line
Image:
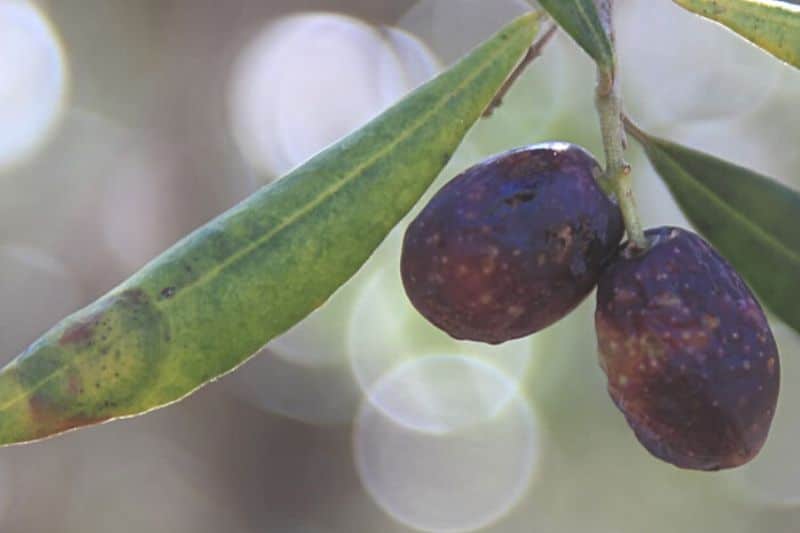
(690, 358)
(512, 244)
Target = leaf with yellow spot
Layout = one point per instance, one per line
(207, 304)
(771, 24)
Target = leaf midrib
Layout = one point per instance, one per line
(336, 187)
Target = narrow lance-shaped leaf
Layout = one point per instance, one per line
(207, 304)
(581, 20)
(771, 24)
(751, 219)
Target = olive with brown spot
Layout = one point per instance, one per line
(699, 360)
(525, 233)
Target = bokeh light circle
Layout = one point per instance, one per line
(458, 481)
(320, 395)
(678, 66)
(32, 79)
(385, 332)
(307, 80)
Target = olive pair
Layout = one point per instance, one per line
(516, 242)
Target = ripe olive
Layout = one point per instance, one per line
(690, 358)
(512, 244)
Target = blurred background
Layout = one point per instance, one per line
(126, 124)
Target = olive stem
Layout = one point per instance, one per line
(534, 51)
(608, 100)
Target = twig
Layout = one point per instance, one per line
(608, 100)
(533, 52)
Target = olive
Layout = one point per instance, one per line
(690, 358)
(512, 244)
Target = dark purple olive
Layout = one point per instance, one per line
(512, 244)
(690, 358)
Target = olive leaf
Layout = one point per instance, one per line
(580, 19)
(749, 218)
(206, 305)
(771, 24)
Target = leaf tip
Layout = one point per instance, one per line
(528, 22)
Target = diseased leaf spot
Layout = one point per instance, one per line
(51, 419)
(168, 292)
(79, 333)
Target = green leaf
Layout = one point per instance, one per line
(770, 24)
(751, 219)
(581, 20)
(207, 304)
